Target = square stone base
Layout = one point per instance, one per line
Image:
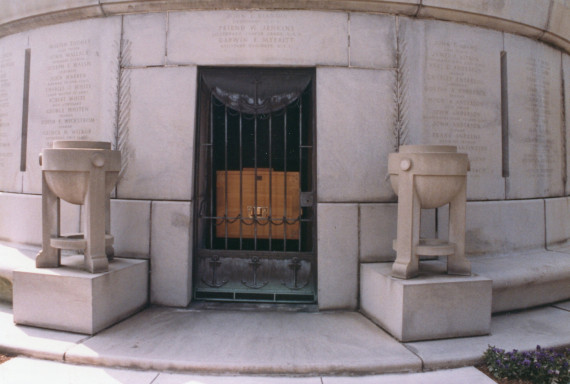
(71, 299)
(433, 305)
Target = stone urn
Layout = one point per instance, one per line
(423, 177)
(82, 173)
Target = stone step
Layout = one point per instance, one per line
(525, 279)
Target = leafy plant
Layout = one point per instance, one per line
(541, 366)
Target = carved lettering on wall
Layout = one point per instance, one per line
(68, 112)
(256, 30)
(457, 109)
(7, 151)
(539, 156)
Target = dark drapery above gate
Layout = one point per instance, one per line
(256, 92)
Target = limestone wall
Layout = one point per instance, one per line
(382, 80)
(545, 20)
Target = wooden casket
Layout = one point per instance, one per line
(266, 196)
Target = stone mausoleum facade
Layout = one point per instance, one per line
(310, 95)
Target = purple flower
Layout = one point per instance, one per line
(526, 362)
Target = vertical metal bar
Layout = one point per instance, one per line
(270, 221)
(25, 106)
(226, 176)
(504, 114)
(240, 182)
(300, 164)
(255, 181)
(285, 180)
(211, 173)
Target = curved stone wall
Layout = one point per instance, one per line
(545, 20)
(382, 80)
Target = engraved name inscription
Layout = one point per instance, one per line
(538, 150)
(456, 106)
(256, 31)
(6, 105)
(68, 112)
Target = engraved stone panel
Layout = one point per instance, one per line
(354, 126)
(372, 40)
(258, 37)
(73, 87)
(12, 57)
(156, 135)
(144, 39)
(450, 83)
(535, 120)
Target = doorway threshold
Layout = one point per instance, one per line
(252, 307)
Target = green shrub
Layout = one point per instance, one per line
(542, 366)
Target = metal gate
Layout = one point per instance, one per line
(255, 214)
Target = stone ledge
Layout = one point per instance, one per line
(525, 279)
(14, 257)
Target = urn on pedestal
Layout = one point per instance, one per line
(83, 173)
(429, 176)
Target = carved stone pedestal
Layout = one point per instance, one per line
(431, 306)
(429, 176)
(71, 299)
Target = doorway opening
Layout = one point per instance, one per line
(255, 205)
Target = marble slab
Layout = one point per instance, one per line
(372, 40)
(451, 95)
(247, 342)
(338, 256)
(557, 215)
(492, 13)
(21, 218)
(355, 126)
(258, 38)
(535, 123)
(171, 253)
(144, 39)
(73, 87)
(156, 134)
(12, 64)
(377, 230)
(494, 227)
(130, 225)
